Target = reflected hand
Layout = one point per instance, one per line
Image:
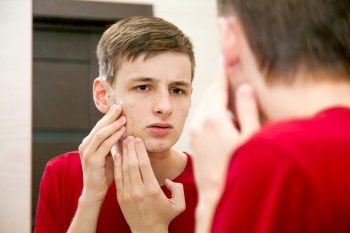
(95, 153)
(142, 201)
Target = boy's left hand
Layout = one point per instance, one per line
(142, 201)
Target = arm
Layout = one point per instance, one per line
(97, 164)
(214, 138)
(143, 203)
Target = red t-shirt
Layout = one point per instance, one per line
(62, 184)
(292, 176)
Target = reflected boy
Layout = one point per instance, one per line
(126, 176)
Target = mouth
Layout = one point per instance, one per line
(159, 129)
(160, 125)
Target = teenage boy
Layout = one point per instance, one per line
(126, 176)
(291, 175)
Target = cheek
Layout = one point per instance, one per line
(182, 113)
(184, 109)
(132, 116)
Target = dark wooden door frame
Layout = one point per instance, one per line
(89, 9)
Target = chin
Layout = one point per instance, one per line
(158, 146)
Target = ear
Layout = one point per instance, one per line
(229, 40)
(102, 95)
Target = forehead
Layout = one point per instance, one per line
(164, 67)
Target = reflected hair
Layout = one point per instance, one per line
(129, 38)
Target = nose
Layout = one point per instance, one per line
(162, 105)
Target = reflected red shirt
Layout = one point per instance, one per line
(62, 184)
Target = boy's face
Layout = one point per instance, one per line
(155, 96)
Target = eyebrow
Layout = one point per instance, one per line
(153, 80)
(143, 79)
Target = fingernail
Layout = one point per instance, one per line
(125, 142)
(138, 140)
(122, 119)
(117, 107)
(124, 135)
(245, 90)
(113, 107)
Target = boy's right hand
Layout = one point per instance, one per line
(95, 154)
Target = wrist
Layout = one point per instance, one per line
(92, 197)
(158, 229)
(89, 201)
(86, 216)
(204, 216)
(210, 198)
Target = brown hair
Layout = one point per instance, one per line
(131, 37)
(286, 35)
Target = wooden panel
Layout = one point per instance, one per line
(15, 115)
(61, 95)
(61, 45)
(89, 10)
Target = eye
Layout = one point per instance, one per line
(177, 91)
(143, 88)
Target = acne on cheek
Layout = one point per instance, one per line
(130, 116)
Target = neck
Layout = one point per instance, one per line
(168, 164)
(303, 99)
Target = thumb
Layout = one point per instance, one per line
(177, 199)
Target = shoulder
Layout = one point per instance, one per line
(325, 125)
(63, 172)
(264, 156)
(67, 159)
(65, 165)
(299, 141)
(262, 169)
(272, 152)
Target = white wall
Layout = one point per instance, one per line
(15, 115)
(197, 18)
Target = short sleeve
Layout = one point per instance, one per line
(48, 209)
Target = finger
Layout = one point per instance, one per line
(125, 171)
(118, 174)
(149, 179)
(247, 110)
(133, 165)
(106, 147)
(215, 100)
(177, 194)
(103, 134)
(219, 88)
(107, 119)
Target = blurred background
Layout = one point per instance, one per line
(48, 63)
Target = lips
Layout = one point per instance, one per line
(159, 129)
(160, 125)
